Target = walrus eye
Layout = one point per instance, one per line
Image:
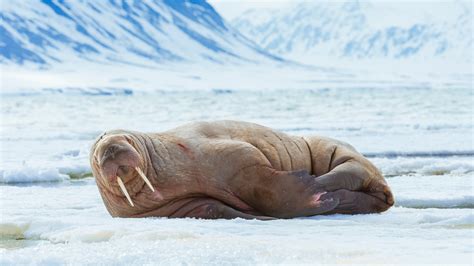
(124, 190)
(143, 176)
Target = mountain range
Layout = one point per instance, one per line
(55, 31)
(313, 30)
(153, 32)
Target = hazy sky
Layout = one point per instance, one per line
(229, 9)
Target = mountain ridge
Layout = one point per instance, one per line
(136, 32)
(310, 31)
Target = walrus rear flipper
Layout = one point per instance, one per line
(353, 176)
(338, 165)
(355, 202)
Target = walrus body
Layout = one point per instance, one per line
(230, 169)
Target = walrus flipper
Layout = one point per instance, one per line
(305, 187)
(338, 165)
(353, 176)
(354, 202)
(330, 200)
(285, 194)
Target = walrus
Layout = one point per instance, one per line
(231, 169)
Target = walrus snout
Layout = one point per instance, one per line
(117, 161)
(117, 158)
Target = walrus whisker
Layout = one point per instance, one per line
(143, 176)
(124, 190)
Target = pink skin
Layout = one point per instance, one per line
(157, 195)
(316, 198)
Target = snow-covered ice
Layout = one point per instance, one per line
(421, 138)
(68, 224)
(71, 219)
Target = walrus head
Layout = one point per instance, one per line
(119, 163)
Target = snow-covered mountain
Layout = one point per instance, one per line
(139, 32)
(316, 30)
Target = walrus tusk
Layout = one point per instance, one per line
(140, 172)
(124, 190)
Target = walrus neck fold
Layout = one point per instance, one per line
(153, 160)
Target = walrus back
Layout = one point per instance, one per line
(283, 152)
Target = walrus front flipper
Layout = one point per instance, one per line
(284, 194)
(305, 187)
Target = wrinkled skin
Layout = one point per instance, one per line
(230, 169)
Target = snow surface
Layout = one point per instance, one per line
(420, 137)
(69, 224)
